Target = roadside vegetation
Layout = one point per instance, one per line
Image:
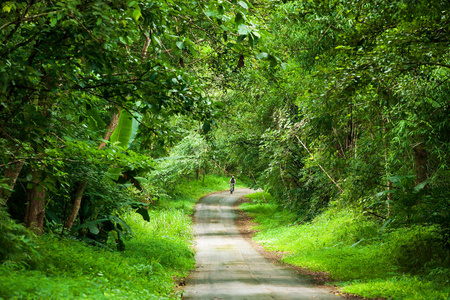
(115, 116)
(158, 253)
(105, 143)
(361, 255)
(71, 269)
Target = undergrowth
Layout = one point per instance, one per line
(158, 252)
(361, 255)
(70, 269)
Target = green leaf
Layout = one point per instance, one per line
(121, 136)
(8, 6)
(421, 185)
(137, 14)
(122, 133)
(262, 55)
(93, 229)
(273, 60)
(385, 225)
(239, 19)
(142, 180)
(95, 122)
(134, 128)
(355, 244)
(210, 13)
(156, 41)
(181, 45)
(243, 4)
(243, 29)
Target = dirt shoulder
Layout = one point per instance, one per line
(246, 224)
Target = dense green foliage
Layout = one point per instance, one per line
(361, 256)
(91, 92)
(15, 241)
(357, 113)
(350, 135)
(339, 109)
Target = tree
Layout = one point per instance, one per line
(65, 67)
(356, 114)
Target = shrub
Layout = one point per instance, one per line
(415, 247)
(16, 242)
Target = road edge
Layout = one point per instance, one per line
(246, 224)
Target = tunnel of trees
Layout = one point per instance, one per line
(106, 105)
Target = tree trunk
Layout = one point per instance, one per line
(386, 169)
(76, 203)
(110, 129)
(12, 173)
(35, 213)
(421, 158)
(81, 185)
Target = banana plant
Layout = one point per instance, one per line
(122, 137)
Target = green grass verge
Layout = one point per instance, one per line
(69, 269)
(350, 247)
(158, 252)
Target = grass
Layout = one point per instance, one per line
(159, 252)
(401, 263)
(73, 270)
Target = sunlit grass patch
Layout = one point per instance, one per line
(70, 269)
(73, 270)
(260, 197)
(265, 212)
(354, 249)
(344, 263)
(399, 287)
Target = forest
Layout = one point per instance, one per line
(116, 116)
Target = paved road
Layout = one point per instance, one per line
(228, 267)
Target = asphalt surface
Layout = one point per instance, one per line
(228, 267)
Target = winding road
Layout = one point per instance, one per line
(228, 267)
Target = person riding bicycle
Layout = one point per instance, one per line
(232, 181)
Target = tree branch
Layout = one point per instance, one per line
(26, 19)
(332, 180)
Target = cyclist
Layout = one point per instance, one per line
(232, 182)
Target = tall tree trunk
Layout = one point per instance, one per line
(35, 213)
(386, 168)
(12, 173)
(81, 185)
(421, 158)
